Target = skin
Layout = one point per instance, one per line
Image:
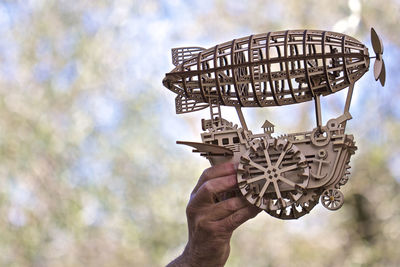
(211, 222)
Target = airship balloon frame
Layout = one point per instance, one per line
(284, 175)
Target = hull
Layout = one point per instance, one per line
(288, 174)
(271, 69)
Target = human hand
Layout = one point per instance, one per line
(211, 223)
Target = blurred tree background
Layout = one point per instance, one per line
(90, 173)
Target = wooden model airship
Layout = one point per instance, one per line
(284, 175)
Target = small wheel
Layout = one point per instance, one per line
(332, 199)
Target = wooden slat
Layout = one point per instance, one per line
(346, 71)
(234, 69)
(289, 80)
(305, 62)
(328, 82)
(251, 60)
(199, 77)
(269, 69)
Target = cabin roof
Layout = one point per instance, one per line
(267, 124)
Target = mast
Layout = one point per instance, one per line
(241, 117)
(318, 115)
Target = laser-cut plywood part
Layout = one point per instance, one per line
(284, 175)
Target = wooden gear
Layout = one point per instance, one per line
(283, 175)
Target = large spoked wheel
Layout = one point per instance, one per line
(273, 174)
(332, 199)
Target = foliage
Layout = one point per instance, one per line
(90, 173)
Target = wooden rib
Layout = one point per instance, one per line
(346, 71)
(324, 63)
(251, 66)
(296, 50)
(217, 83)
(305, 62)
(234, 68)
(269, 69)
(297, 53)
(315, 59)
(199, 77)
(287, 67)
(281, 82)
(185, 86)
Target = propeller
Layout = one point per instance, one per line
(379, 65)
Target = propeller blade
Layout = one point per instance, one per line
(378, 68)
(376, 42)
(382, 76)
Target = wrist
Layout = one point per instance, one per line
(205, 255)
(181, 261)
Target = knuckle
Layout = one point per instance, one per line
(203, 225)
(233, 179)
(208, 187)
(236, 203)
(230, 181)
(233, 221)
(206, 173)
(231, 205)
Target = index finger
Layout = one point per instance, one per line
(210, 189)
(219, 170)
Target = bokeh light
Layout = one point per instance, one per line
(91, 174)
